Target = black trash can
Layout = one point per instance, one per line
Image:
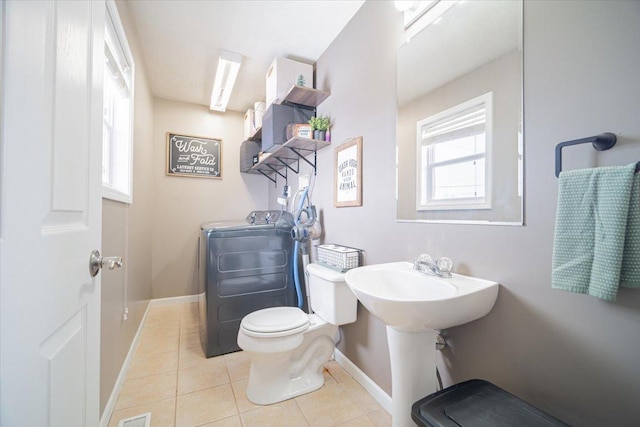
(478, 403)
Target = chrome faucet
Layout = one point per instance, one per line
(441, 268)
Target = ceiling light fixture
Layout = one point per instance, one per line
(226, 74)
(428, 12)
(404, 5)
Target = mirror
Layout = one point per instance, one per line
(459, 125)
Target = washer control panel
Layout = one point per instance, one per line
(263, 217)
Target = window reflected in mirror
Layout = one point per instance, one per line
(453, 166)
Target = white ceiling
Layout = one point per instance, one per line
(181, 39)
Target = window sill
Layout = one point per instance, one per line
(454, 207)
(118, 196)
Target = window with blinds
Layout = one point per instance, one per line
(454, 149)
(117, 118)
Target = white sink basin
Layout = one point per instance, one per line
(406, 299)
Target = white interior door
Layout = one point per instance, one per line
(50, 210)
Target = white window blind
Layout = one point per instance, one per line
(466, 123)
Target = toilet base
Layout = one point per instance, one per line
(279, 392)
(279, 376)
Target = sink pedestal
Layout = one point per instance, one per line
(413, 371)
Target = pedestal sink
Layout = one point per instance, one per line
(414, 306)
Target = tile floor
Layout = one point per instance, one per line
(170, 377)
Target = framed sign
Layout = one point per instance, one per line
(302, 131)
(347, 186)
(194, 156)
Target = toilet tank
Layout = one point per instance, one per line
(331, 298)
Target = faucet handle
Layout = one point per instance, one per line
(445, 265)
(424, 259)
(421, 262)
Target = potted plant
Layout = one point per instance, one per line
(320, 125)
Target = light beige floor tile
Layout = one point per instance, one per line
(163, 314)
(286, 414)
(381, 418)
(189, 321)
(238, 366)
(162, 320)
(337, 371)
(360, 396)
(189, 328)
(205, 406)
(153, 365)
(194, 356)
(190, 340)
(190, 306)
(202, 376)
(235, 356)
(363, 421)
(155, 345)
(240, 393)
(162, 329)
(139, 391)
(163, 413)
(190, 313)
(166, 310)
(233, 421)
(328, 406)
(225, 422)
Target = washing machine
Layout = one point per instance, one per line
(243, 266)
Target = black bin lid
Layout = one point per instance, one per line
(478, 403)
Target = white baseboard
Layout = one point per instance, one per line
(367, 383)
(111, 403)
(117, 387)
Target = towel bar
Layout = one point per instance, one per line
(601, 142)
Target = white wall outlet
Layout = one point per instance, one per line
(303, 181)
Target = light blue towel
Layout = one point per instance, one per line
(596, 244)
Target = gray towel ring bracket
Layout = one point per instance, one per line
(601, 142)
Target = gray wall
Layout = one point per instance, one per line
(182, 204)
(572, 355)
(126, 232)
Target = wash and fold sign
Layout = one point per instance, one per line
(194, 156)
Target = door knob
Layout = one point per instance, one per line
(96, 262)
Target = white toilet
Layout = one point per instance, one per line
(288, 347)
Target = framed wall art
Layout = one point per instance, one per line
(347, 186)
(194, 156)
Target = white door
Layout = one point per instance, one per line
(50, 212)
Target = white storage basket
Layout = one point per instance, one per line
(339, 257)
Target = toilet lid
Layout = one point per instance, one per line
(275, 321)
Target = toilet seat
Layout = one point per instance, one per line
(275, 322)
